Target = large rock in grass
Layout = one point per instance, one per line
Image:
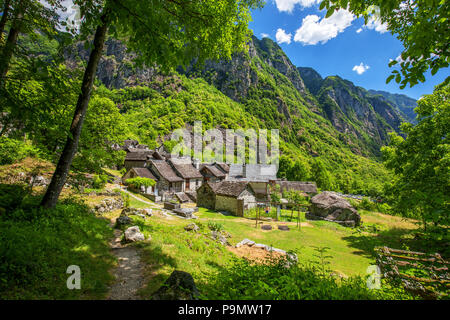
(123, 221)
(179, 286)
(133, 234)
(331, 207)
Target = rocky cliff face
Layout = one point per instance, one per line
(236, 76)
(270, 87)
(404, 104)
(353, 110)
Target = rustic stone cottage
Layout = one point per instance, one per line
(212, 173)
(206, 195)
(168, 180)
(309, 188)
(192, 177)
(137, 159)
(142, 173)
(231, 196)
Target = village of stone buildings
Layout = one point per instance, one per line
(227, 188)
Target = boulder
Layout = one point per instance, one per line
(39, 181)
(244, 242)
(179, 286)
(133, 234)
(137, 212)
(123, 221)
(283, 228)
(187, 213)
(266, 227)
(191, 227)
(331, 207)
(217, 236)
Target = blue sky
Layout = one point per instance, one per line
(340, 45)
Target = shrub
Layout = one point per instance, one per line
(274, 281)
(12, 150)
(99, 181)
(215, 226)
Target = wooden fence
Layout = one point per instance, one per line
(420, 273)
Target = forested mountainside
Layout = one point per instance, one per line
(337, 124)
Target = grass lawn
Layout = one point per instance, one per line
(173, 248)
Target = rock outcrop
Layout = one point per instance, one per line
(331, 207)
(133, 234)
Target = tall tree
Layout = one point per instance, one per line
(421, 161)
(168, 33)
(421, 25)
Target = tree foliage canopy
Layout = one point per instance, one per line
(421, 161)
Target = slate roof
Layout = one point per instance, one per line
(214, 171)
(138, 156)
(307, 187)
(187, 171)
(231, 188)
(166, 171)
(223, 166)
(144, 173)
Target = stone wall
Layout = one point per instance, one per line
(206, 198)
(249, 199)
(224, 203)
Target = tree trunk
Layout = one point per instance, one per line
(10, 44)
(5, 13)
(62, 169)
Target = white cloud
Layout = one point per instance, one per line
(288, 5)
(314, 30)
(361, 68)
(264, 35)
(375, 23)
(283, 37)
(359, 30)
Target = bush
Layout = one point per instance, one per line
(99, 181)
(12, 150)
(273, 281)
(215, 226)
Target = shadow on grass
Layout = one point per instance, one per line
(398, 238)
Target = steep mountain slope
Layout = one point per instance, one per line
(402, 102)
(312, 79)
(260, 88)
(354, 110)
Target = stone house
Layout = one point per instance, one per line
(214, 172)
(137, 159)
(309, 188)
(143, 173)
(206, 195)
(231, 196)
(168, 180)
(192, 177)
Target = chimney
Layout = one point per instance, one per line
(196, 163)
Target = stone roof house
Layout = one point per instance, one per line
(168, 180)
(137, 159)
(212, 173)
(231, 196)
(192, 177)
(310, 188)
(143, 173)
